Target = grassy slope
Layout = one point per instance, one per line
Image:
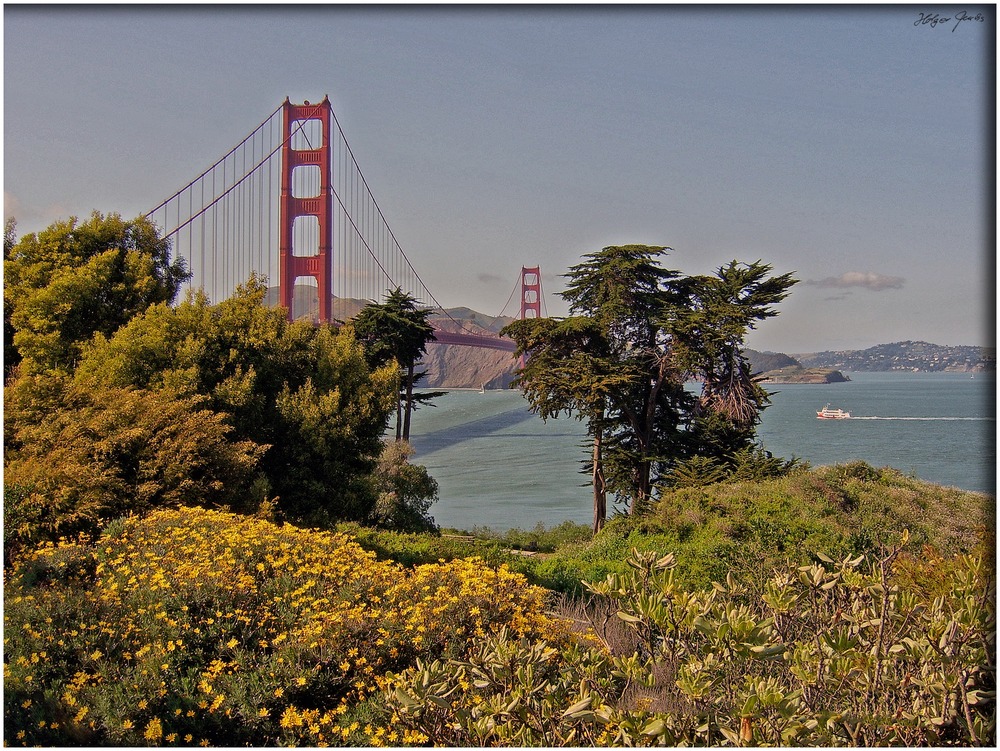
(747, 527)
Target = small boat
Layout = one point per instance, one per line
(832, 414)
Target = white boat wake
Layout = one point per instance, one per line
(922, 418)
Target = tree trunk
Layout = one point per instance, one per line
(399, 419)
(600, 491)
(643, 492)
(409, 402)
(645, 433)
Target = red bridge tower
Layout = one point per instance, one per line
(305, 247)
(531, 292)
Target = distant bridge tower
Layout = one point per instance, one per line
(305, 214)
(531, 297)
(531, 292)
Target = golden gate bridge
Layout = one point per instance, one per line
(289, 202)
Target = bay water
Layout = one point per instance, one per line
(499, 466)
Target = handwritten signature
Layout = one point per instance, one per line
(933, 19)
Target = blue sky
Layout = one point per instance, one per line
(848, 145)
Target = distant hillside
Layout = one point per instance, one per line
(307, 303)
(468, 367)
(446, 366)
(906, 356)
(762, 362)
(776, 367)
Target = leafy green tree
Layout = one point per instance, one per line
(708, 336)
(11, 357)
(72, 280)
(623, 379)
(636, 334)
(405, 491)
(304, 391)
(628, 295)
(397, 330)
(79, 456)
(569, 371)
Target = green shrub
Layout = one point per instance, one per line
(828, 654)
(744, 527)
(405, 491)
(540, 538)
(416, 548)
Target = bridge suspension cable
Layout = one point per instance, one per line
(427, 295)
(513, 291)
(225, 223)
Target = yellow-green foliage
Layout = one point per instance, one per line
(74, 279)
(76, 458)
(832, 654)
(200, 627)
(752, 526)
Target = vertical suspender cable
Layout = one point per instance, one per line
(205, 241)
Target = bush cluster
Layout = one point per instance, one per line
(197, 627)
(754, 526)
(830, 654)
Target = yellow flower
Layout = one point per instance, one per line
(154, 730)
(263, 712)
(127, 725)
(279, 692)
(143, 704)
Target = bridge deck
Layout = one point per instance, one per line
(472, 340)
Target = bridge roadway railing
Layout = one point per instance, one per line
(474, 340)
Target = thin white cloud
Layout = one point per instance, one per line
(31, 218)
(865, 279)
(11, 205)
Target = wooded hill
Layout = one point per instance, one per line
(906, 356)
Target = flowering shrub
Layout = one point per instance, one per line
(826, 655)
(196, 627)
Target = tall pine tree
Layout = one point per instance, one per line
(636, 334)
(397, 330)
